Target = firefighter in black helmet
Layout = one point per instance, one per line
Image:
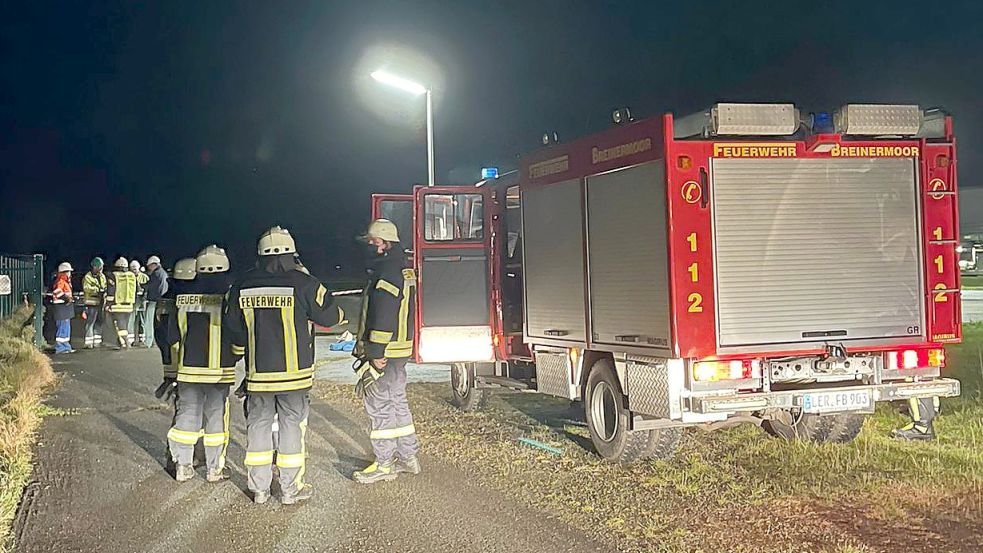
(269, 315)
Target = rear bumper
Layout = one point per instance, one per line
(892, 391)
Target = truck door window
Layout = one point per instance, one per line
(400, 212)
(453, 217)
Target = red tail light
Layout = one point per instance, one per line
(914, 359)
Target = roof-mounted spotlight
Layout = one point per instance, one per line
(550, 138)
(621, 116)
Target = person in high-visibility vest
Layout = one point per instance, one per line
(134, 331)
(63, 308)
(93, 293)
(121, 294)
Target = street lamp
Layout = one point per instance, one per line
(415, 89)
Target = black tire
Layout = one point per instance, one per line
(809, 427)
(608, 421)
(464, 395)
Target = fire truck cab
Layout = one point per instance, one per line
(742, 264)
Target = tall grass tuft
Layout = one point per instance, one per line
(24, 375)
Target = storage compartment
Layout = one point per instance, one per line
(629, 278)
(816, 250)
(553, 261)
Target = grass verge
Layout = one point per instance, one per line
(24, 374)
(730, 490)
(972, 282)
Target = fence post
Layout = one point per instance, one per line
(38, 292)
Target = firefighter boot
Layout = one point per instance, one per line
(923, 411)
(216, 476)
(303, 494)
(261, 497)
(410, 465)
(376, 472)
(183, 473)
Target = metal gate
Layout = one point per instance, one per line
(22, 284)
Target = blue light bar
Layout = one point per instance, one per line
(489, 172)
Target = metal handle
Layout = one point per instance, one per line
(704, 188)
(555, 332)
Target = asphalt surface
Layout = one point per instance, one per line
(100, 485)
(972, 306)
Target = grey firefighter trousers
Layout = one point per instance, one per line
(291, 410)
(201, 410)
(392, 432)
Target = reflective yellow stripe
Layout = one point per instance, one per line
(292, 386)
(213, 440)
(915, 411)
(341, 316)
(249, 315)
(299, 480)
(290, 460)
(238, 350)
(259, 458)
(289, 338)
(281, 376)
(321, 291)
(404, 311)
(392, 433)
(225, 433)
(182, 325)
(380, 337)
(183, 436)
(388, 287)
(227, 378)
(215, 337)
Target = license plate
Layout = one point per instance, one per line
(831, 402)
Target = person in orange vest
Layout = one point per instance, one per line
(63, 308)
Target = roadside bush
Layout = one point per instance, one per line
(24, 374)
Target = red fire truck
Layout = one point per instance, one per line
(742, 264)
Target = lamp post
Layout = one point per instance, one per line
(415, 89)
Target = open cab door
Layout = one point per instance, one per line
(398, 208)
(451, 245)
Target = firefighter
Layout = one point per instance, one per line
(922, 411)
(205, 368)
(93, 291)
(134, 330)
(184, 271)
(269, 312)
(385, 343)
(121, 294)
(63, 308)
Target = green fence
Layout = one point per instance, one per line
(22, 283)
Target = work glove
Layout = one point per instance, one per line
(367, 374)
(166, 389)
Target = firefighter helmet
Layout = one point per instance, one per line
(134, 265)
(153, 260)
(276, 241)
(65, 267)
(212, 259)
(383, 229)
(96, 263)
(121, 263)
(185, 269)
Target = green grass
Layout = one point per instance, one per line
(24, 374)
(972, 282)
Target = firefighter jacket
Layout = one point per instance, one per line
(121, 291)
(62, 304)
(165, 309)
(387, 322)
(269, 314)
(93, 288)
(204, 353)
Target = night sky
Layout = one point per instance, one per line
(158, 127)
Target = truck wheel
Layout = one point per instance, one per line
(464, 395)
(608, 420)
(809, 427)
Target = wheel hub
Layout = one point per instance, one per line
(604, 411)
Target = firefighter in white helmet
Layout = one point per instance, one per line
(184, 272)
(135, 332)
(385, 344)
(121, 294)
(63, 308)
(206, 361)
(270, 310)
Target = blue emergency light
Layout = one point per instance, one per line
(489, 172)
